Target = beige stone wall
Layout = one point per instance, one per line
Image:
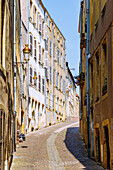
(53, 34)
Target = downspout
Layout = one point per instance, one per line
(45, 86)
(53, 70)
(14, 58)
(81, 61)
(21, 62)
(88, 115)
(28, 9)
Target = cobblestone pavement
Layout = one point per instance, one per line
(58, 147)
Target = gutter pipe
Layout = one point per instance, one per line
(88, 114)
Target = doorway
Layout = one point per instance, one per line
(106, 148)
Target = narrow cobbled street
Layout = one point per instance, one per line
(57, 147)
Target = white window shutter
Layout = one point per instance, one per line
(37, 20)
(33, 14)
(45, 33)
(46, 59)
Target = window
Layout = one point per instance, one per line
(47, 43)
(39, 82)
(42, 28)
(40, 58)
(56, 79)
(60, 82)
(31, 75)
(45, 36)
(50, 48)
(40, 24)
(59, 105)
(49, 23)
(58, 56)
(104, 66)
(50, 100)
(56, 104)
(62, 107)
(56, 53)
(46, 59)
(42, 85)
(62, 41)
(35, 49)
(31, 9)
(37, 19)
(46, 98)
(31, 43)
(50, 74)
(91, 17)
(33, 14)
(63, 86)
(54, 50)
(97, 82)
(59, 37)
(35, 80)
(63, 63)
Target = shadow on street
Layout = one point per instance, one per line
(76, 146)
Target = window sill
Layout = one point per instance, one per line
(105, 96)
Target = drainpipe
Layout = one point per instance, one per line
(53, 70)
(21, 61)
(88, 115)
(81, 61)
(28, 9)
(14, 58)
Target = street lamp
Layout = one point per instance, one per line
(26, 51)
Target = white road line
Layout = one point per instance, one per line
(55, 162)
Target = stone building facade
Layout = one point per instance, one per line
(72, 103)
(7, 131)
(100, 82)
(55, 73)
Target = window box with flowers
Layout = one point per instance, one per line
(104, 89)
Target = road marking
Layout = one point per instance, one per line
(53, 154)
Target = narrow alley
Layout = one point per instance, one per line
(56, 148)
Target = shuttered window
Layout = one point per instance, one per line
(31, 43)
(40, 24)
(37, 19)
(33, 14)
(46, 98)
(40, 59)
(39, 82)
(56, 104)
(50, 48)
(31, 75)
(42, 85)
(58, 56)
(35, 49)
(35, 80)
(50, 74)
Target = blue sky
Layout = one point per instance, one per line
(65, 14)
